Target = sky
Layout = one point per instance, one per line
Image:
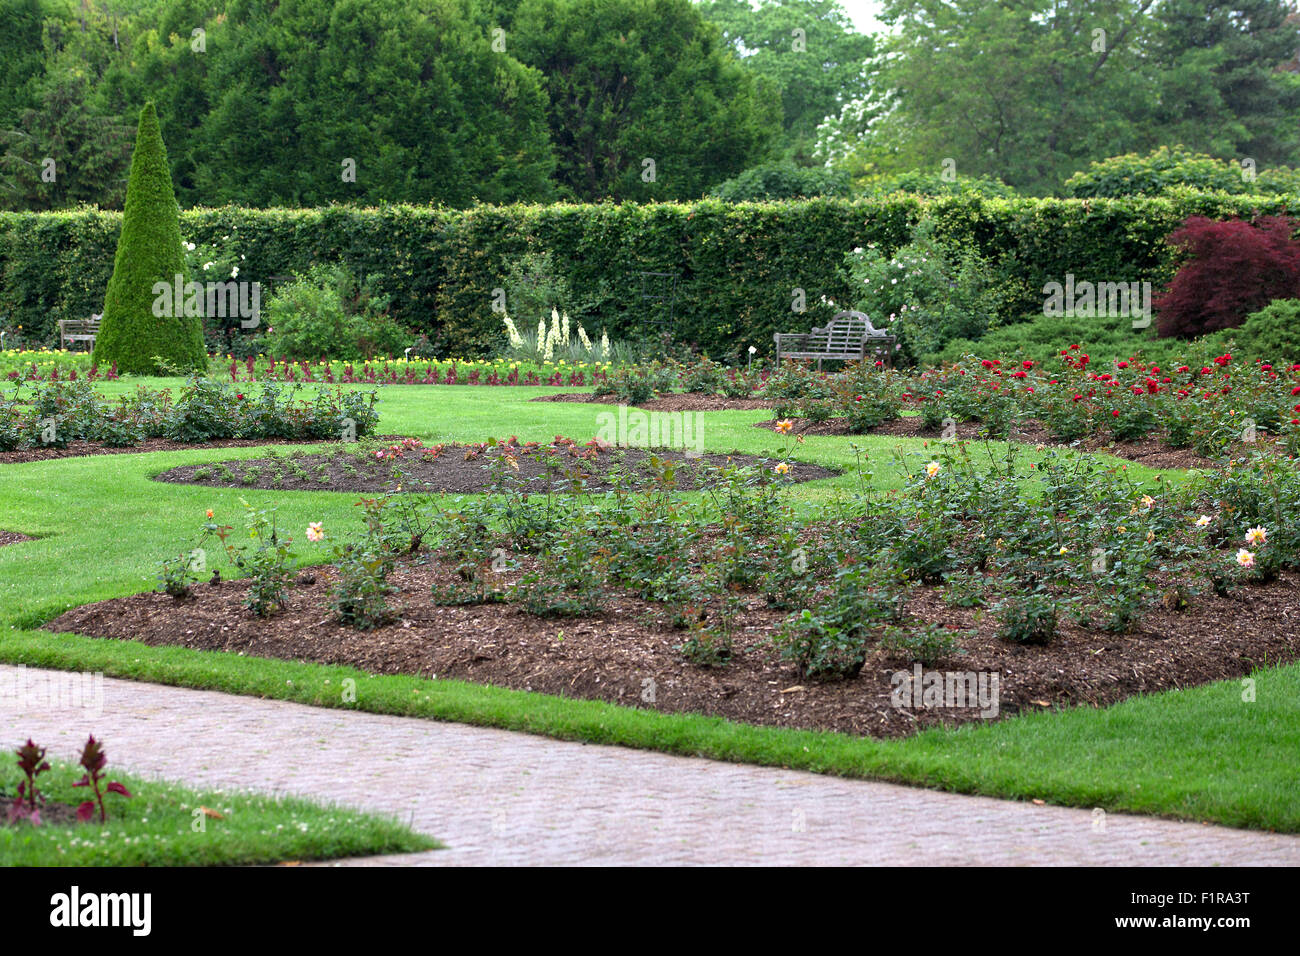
(863, 12)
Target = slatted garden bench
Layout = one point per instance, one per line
(79, 330)
(848, 337)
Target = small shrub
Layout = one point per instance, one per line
(925, 645)
(1027, 619)
(360, 593)
(833, 640)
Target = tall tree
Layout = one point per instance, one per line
(1022, 90)
(1225, 86)
(62, 152)
(22, 60)
(304, 102)
(808, 50)
(647, 102)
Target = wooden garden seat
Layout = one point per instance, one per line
(79, 330)
(848, 337)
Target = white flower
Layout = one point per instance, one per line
(1203, 521)
(234, 272)
(512, 334)
(582, 337)
(189, 246)
(1256, 535)
(207, 266)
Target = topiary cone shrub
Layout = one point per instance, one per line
(1233, 268)
(148, 252)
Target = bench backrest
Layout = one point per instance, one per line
(843, 334)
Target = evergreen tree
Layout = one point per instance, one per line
(148, 252)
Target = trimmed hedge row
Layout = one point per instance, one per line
(737, 265)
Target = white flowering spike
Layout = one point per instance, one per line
(512, 333)
(564, 328)
(604, 344)
(582, 337)
(541, 333)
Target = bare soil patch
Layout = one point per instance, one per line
(52, 814)
(12, 537)
(672, 402)
(466, 469)
(627, 654)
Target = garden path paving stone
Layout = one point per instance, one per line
(500, 797)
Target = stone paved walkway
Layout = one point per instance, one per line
(497, 797)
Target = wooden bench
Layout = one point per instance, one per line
(79, 330)
(848, 337)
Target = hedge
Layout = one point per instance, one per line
(737, 265)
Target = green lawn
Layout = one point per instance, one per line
(163, 824)
(103, 526)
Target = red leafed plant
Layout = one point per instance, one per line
(32, 762)
(1232, 269)
(93, 759)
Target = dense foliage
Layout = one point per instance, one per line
(1232, 269)
(134, 335)
(1165, 169)
(1030, 91)
(54, 413)
(738, 266)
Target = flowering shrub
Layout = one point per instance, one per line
(923, 294)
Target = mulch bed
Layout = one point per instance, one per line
(12, 537)
(80, 449)
(629, 649)
(673, 402)
(1152, 452)
(451, 472)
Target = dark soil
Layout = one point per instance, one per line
(1152, 452)
(672, 402)
(462, 469)
(12, 537)
(80, 449)
(52, 814)
(629, 650)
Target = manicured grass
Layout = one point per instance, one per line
(103, 526)
(1198, 754)
(158, 826)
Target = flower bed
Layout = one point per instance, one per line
(417, 372)
(59, 413)
(1064, 579)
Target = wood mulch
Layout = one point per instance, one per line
(12, 537)
(452, 471)
(627, 653)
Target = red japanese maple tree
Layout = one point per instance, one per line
(1231, 269)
